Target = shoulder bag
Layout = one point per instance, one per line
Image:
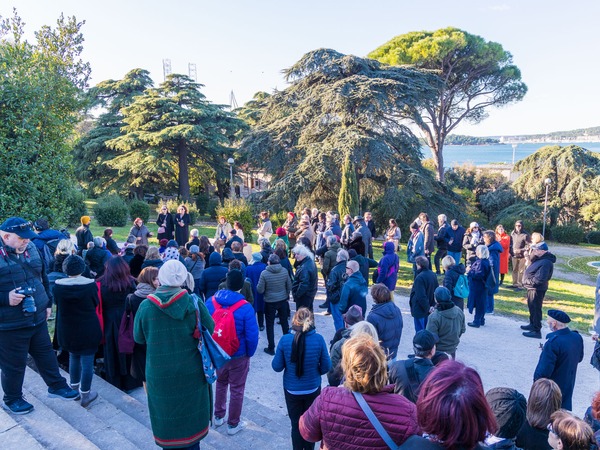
(375, 421)
(125, 341)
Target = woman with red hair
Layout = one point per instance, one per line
(452, 410)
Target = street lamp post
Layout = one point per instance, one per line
(547, 182)
(514, 146)
(230, 161)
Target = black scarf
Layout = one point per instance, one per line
(299, 347)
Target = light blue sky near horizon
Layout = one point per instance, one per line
(243, 46)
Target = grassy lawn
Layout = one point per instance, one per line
(580, 264)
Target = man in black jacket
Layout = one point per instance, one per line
(441, 238)
(519, 239)
(422, 300)
(23, 326)
(304, 285)
(535, 279)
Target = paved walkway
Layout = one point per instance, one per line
(564, 253)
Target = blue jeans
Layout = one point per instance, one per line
(338, 321)
(420, 324)
(456, 255)
(81, 370)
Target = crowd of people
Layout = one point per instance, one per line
(119, 311)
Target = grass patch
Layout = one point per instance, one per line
(580, 264)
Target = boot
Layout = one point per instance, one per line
(88, 397)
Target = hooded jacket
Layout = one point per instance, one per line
(77, 326)
(388, 267)
(448, 323)
(274, 283)
(246, 327)
(96, 257)
(305, 281)
(387, 320)
(495, 249)
(354, 292)
(167, 322)
(421, 294)
(329, 260)
(539, 272)
(212, 276)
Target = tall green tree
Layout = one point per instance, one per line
(92, 156)
(173, 127)
(41, 87)
(574, 173)
(348, 199)
(474, 74)
(338, 105)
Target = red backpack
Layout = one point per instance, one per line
(225, 334)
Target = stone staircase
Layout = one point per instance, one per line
(120, 421)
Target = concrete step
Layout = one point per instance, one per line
(46, 427)
(99, 432)
(14, 436)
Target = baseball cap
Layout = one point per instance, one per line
(18, 226)
(424, 340)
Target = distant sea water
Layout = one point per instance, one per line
(497, 153)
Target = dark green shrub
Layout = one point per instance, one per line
(76, 201)
(139, 208)
(111, 211)
(242, 212)
(593, 237)
(568, 234)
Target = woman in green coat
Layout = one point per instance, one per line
(179, 397)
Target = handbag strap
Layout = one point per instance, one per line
(374, 421)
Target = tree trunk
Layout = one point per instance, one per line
(184, 177)
(221, 191)
(438, 160)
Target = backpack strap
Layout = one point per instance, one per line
(409, 382)
(374, 421)
(237, 305)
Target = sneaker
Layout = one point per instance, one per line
(234, 430)
(219, 421)
(19, 406)
(270, 351)
(64, 393)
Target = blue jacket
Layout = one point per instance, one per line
(495, 249)
(253, 272)
(387, 320)
(416, 246)
(316, 362)
(477, 275)
(212, 276)
(388, 267)
(245, 321)
(354, 292)
(456, 236)
(561, 354)
(443, 236)
(47, 235)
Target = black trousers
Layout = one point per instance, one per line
(535, 298)
(283, 309)
(439, 255)
(296, 406)
(305, 301)
(14, 347)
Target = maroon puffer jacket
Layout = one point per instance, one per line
(336, 419)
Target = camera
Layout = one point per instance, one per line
(28, 302)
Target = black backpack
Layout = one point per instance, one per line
(49, 249)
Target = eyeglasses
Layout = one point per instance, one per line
(551, 430)
(20, 227)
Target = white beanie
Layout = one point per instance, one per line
(173, 273)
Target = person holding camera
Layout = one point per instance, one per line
(24, 309)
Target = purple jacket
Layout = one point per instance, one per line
(388, 267)
(336, 419)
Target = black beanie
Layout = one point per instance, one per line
(510, 407)
(73, 265)
(235, 280)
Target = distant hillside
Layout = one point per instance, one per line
(458, 139)
(565, 135)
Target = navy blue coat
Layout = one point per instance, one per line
(387, 320)
(354, 292)
(421, 294)
(495, 249)
(450, 278)
(443, 236)
(253, 272)
(539, 272)
(456, 236)
(561, 354)
(478, 273)
(212, 277)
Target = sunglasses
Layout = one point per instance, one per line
(20, 227)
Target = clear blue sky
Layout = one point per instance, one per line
(243, 45)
